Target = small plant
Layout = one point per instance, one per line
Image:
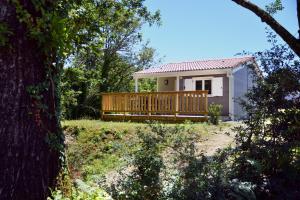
(80, 191)
(214, 112)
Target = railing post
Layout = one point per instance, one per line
(176, 104)
(149, 104)
(125, 104)
(206, 103)
(102, 105)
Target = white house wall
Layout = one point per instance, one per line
(243, 81)
(162, 87)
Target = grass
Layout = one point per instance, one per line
(95, 148)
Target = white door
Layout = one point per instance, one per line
(189, 85)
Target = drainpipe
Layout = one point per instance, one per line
(136, 81)
(231, 95)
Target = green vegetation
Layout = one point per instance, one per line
(268, 155)
(181, 173)
(4, 32)
(110, 49)
(82, 192)
(95, 148)
(163, 162)
(102, 43)
(214, 113)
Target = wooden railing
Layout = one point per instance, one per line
(156, 103)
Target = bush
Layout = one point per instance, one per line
(144, 182)
(214, 112)
(268, 142)
(80, 192)
(167, 165)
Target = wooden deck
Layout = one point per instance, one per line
(161, 106)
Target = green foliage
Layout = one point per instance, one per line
(267, 143)
(92, 151)
(207, 178)
(275, 6)
(81, 191)
(36, 91)
(144, 182)
(75, 84)
(147, 85)
(4, 33)
(154, 160)
(214, 113)
(107, 35)
(166, 165)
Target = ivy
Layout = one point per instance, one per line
(35, 91)
(50, 30)
(55, 142)
(5, 32)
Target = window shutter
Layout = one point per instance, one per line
(189, 85)
(217, 86)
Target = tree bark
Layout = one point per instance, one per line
(29, 161)
(292, 41)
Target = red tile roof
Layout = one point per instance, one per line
(198, 65)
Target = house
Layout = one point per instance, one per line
(225, 80)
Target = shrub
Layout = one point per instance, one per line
(80, 192)
(267, 142)
(167, 165)
(214, 112)
(144, 181)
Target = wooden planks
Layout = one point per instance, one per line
(156, 103)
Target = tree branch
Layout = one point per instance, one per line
(292, 41)
(298, 15)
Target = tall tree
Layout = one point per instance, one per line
(116, 37)
(122, 35)
(111, 51)
(35, 38)
(266, 16)
(31, 140)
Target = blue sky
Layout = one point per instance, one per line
(200, 29)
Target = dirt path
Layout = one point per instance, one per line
(218, 140)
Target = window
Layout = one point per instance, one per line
(207, 86)
(203, 85)
(199, 85)
(214, 85)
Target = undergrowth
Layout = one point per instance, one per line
(96, 149)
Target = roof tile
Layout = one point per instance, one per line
(197, 65)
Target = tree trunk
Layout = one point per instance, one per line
(105, 71)
(29, 134)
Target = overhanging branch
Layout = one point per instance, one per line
(292, 41)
